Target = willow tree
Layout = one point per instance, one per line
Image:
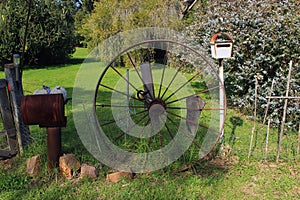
(112, 16)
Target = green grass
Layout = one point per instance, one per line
(230, 176)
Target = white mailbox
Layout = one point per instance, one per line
(221, 45)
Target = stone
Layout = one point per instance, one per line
(33, 166)
(117, 176)
(68, 165)
(87, 171)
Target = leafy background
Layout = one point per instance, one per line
(266, 38)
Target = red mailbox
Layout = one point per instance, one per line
(45, 110)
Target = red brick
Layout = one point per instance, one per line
(33, 166)
(88, 171)
(117, 176)
(68, 165)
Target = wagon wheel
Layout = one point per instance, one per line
(159, 99)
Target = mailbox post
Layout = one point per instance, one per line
(47, 111)
(221, 47)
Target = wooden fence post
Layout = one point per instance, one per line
(254, 119)
(16, 93)
(298, 146)
(284, 112)
(8, 122)
(267, 139)
(268, 104)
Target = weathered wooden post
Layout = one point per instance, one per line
(254, 119)
(8, 122)
(284, 112)
(298, 146)
(286, 98)
(15, 90)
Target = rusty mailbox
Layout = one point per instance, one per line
(46, 110)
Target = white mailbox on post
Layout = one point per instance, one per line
(221, 45)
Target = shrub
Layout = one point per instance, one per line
(51, 36)
(266, 38)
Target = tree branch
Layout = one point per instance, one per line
(190, 5)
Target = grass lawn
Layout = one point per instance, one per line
(229, 176)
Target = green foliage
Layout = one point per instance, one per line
(266, 38)
(12, 18)
(112, 16)
(51, 37)
(52, 32)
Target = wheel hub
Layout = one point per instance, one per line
(157, 110)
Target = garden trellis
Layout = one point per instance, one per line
(286, 98)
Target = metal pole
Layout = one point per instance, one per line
(221, 97)
(54, 146)
(128, 99)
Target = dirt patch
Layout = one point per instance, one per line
(251, 190)
(271, 166)
(216, 168)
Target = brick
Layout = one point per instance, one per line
(68, 165)
(87, 171)
(33, 166)
(117, 176)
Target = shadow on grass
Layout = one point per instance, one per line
(71, 61)
(215, 168)
(235, 121)
(75, 61)
(71, 141)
